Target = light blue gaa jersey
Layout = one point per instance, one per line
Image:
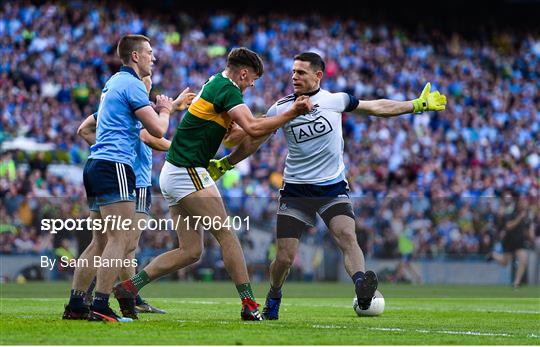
(143, 164)
(117, 130)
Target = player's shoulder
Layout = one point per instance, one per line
(326, 94)
(332, 100)
(220, 84)
(128, 75)
(125, 80)
(287, 99)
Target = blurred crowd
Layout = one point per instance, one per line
(431, 180)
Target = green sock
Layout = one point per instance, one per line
(245, 291)
(140, 279)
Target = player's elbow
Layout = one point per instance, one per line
(234, 137)
(80, 132)
(86, 134)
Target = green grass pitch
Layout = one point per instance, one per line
(311, 314)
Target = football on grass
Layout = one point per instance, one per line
(375, 309)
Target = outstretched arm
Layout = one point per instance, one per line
(427, 101)
(248, 146)
(257, 127)
(384, 107)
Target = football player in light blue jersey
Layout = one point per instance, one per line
(108, 174)
(143, 171)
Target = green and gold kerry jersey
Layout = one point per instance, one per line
(205, 123)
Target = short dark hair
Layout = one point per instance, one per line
(315, 60)
(244, 57)
(128, 44)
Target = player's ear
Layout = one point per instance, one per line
(135, 56)
(320, 74)
(244, 73)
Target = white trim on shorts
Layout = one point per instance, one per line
(141, 199)
(178, 182)
(122, 180)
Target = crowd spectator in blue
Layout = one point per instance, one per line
(446, 170)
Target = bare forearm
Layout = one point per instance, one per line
(259, 127)
(247, 147)
(384, 108)
(155, 123)
(159, 144)
(162, 123)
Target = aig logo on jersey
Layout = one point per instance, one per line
(311, 130)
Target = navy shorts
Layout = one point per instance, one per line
(107, 182)
(304, 201)
(144, 199)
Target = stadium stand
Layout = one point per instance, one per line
(434, 180)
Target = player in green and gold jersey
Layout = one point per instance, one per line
(188, 187)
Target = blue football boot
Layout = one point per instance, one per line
(271, 308)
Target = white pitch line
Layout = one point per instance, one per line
(424, 331)
(475, 333)
(317, 326)
(486, 310)
(406, 308)
(507, 311)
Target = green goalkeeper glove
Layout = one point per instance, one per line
(427, 101)
(217, 168)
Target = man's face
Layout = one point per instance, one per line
(146, 59)
(305, 78)
(247, 78)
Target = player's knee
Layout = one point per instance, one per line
(97, 245)
(131, 244)
(284, 259)
(117, 237)
(346, 239)
(193, 257)
(193, 254)
(224, 235)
